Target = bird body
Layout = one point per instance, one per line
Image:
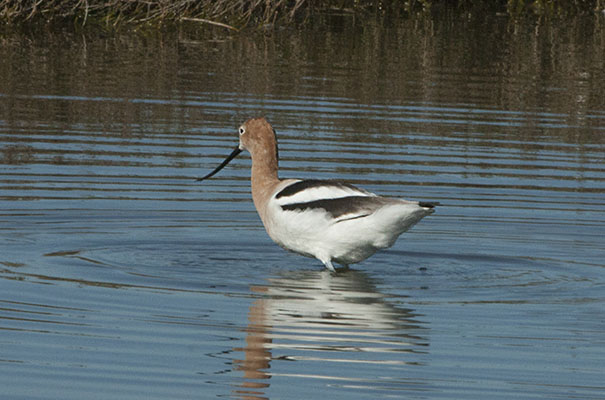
(330, 220)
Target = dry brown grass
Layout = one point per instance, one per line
(236, 14)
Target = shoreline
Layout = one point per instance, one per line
(237, 15)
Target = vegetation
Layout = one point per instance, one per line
(237, 14)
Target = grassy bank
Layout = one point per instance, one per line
(237, 14)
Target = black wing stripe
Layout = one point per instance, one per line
(355, 217)
(299, 186)
(339, 206)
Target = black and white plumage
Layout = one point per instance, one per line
(337, 222)
(332, 221)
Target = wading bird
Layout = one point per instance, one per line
(330, 220)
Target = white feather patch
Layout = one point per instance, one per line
(325, 190)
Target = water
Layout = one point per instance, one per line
(121, 276)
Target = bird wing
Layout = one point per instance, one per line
(314, 189)
(339, 200)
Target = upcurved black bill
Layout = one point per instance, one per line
(229, 158)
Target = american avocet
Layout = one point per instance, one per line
(329, 220)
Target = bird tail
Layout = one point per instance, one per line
(426, 204)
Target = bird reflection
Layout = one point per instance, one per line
(315, 316)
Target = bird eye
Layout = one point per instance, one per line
(241, 130)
